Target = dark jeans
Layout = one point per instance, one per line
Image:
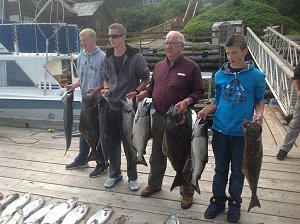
(228, 149)
(84, 150)
(115, 137)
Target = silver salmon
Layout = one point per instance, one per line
(172, 219)
(57, 213)
(40, 214)
(7, 200)
(100, 217)
(32, 207)
(141, 130)
(103, 108)
(199, 151)
(252, 160)
(16, 205)
(76, 215)
(127, 126)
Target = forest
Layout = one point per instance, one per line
(257, 14)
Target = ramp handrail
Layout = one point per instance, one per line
(285, 47)
(278, 75)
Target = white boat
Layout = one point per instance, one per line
(32, 84)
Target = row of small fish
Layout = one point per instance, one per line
(18, 210)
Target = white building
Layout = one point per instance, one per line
(147, 2)
(224, 29)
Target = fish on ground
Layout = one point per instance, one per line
(252, 161)
(177, 144)
(32, 207)
(101, 216)
(36, 217)
(89, 124)
(172, 219)
(127, 126)
(67, 99)
(199, 151)
(76, 215)
(103, 108)
(56, 214)
(17, 218)
(141, 131)
(7, 200)
(16, 204)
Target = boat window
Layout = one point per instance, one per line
(12, 75)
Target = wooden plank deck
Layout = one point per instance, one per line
(32, 161)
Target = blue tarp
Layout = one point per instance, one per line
(31, 38)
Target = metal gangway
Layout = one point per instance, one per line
(277, 66)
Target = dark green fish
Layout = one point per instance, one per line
(177, 144)
(89, 124)
(252, 161)
(103, 108)
(68, 117)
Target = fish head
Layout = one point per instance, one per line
(127, 104)
(68, 96)
(252, 129)
(88, 100)
(200, 128)
(174, 116)
(144, 107)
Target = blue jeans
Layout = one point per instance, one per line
(228, 149)
(84, 150)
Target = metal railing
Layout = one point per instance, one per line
(278, 75)
(285, 47)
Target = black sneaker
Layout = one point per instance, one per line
(75, 165)
(281, 154)
(98, 172)
(215, 207)
(234, 211)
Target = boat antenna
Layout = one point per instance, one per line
(20, 13)
(2, 16)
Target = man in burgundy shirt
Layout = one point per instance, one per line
(177, 81)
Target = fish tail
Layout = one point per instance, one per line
(141, 161)
(254, 202)
(178, 181)
(195, 185)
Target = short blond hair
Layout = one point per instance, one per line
(118, 26)
(88, 32)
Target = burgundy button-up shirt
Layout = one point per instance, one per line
(170, 85)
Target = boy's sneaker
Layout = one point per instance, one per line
(281, 154)
(97, 172)
(234, 211)
(133, 185)
(112, 181)
(215, 207)
(75, 165)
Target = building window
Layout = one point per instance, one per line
(12, 0)
(14, 18)
(27, 19)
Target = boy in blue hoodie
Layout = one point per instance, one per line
(239, 90)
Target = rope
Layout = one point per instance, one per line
(34, 142)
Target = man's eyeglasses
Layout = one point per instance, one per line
(172, 44)
(115, 36)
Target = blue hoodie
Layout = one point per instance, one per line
(89, 69)
(235, 96)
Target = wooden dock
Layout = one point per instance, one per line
(31, 160)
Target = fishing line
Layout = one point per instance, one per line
(34, 142)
